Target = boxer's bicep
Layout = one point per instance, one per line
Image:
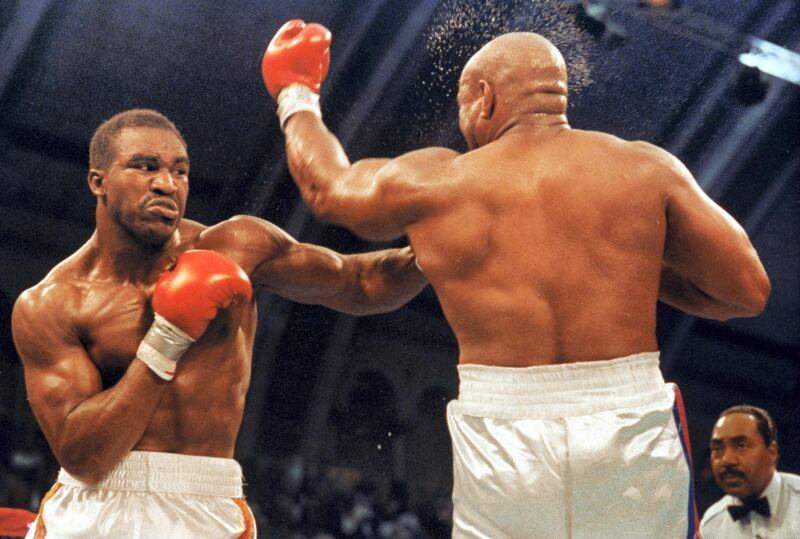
(247, 240)
(696, 227)
(378, 199)
(59, 374)
(277, 262)
(707, 246)
(375, 198)
(306, 273)
(369, 200)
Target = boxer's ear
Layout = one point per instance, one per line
(487, 99)
(97, 182)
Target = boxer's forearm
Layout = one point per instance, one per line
(293, 68)
(390, 279)
(349, 194)
(102, 429)
(316, 160)
(680, 292)
(376, 282)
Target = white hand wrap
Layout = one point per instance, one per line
(295, 98)
(163, 346)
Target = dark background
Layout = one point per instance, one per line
(361, 401)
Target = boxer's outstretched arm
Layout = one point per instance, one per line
(375, 198)
(710, 268)
(358, 284)
(361, 284)
(89, 429)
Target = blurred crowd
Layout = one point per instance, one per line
(27, 468)
(292, 503)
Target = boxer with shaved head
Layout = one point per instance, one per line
(137, 349)
(548, 248)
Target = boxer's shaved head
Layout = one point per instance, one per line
(514, 79)
(519, 64)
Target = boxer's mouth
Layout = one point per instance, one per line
(164, 208)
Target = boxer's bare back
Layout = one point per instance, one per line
(544, 244)
(537, 264)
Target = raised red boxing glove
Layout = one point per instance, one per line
(299, 53)
(186, 299)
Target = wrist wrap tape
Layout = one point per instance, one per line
(295, 98)
(163, 346)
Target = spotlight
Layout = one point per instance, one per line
(750, 87)
(594, 18)
(660, 4)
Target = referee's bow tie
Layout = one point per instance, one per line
(760, 506)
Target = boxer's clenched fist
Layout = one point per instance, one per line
(299, 53)
(201, 283)
(186, 299)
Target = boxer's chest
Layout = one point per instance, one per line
(114, 318)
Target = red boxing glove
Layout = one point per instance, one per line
(200, 283)
(15, 522)
(186, 299)
(299, 53)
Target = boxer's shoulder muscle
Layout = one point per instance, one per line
(630, 163)
(653, 163)
(432, 156)
(72, 301)
(44, 317)
(419, 168)
(247, 240)
(190, 230)
(58, 291)
(615, 151)
(75, 308)
(414, 185)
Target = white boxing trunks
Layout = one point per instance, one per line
(593, 450)
(150, 495)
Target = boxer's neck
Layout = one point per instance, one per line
(121, 257)
(538, 123)
(539, 110)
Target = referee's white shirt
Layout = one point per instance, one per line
(783, 493)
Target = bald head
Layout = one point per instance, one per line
(517, 65)
(515, 80)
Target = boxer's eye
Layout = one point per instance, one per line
(146, 165)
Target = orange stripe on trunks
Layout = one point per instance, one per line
(41, 529)
(249, 521)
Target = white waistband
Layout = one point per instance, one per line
(561, 390)
(150, 471)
